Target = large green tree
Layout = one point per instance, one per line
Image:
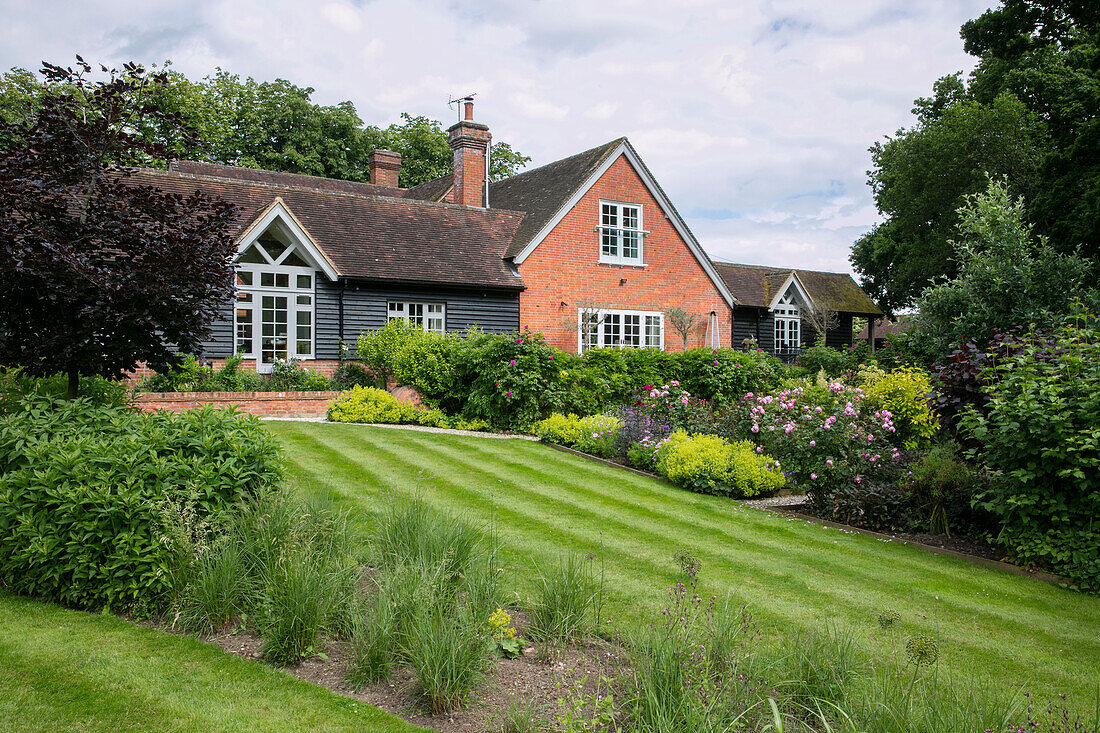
(274, 126)
(1030, 110)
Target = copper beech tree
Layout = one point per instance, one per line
(97, 271)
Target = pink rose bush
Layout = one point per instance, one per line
(826, 438)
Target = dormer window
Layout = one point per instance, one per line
(621, 233)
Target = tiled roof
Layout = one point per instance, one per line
(371, 237)
(433, 190)
(542, 192)
(886, 327)
(278, 178)
(754, 285)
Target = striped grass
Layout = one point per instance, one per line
(794, 576)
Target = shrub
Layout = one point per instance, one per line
(904, 393)
(512, 379)
(378, 349)
(726, 375)
(709, 464)
(558, 428)
(426, 363)
(823, 438)
(942, 490)
(833, 361)
(80, 485)
(370, 405)
(882, 506)
(287, 375)
(15, 386)
(349, 375)
(1040, 437)
(594, 434)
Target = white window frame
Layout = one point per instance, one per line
(425, 311)
(610, 230)
(609, 321)
(788, 323)
(250, 298)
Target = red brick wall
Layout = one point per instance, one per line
(264, 404)
(325, 366)
(565, 267)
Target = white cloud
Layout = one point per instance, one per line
(755, 117)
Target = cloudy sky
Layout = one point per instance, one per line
(755, 116)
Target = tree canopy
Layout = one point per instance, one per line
(99, 272)
(1007, 277)
(1030, 111)
(274, 126)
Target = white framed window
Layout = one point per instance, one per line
(620, 329)
(621, 233)
(430, 317)
(788, 323)
(273, 317)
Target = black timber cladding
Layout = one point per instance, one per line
(365, 309)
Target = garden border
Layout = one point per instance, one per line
(994, 564)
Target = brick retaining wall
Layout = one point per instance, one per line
(263, 404)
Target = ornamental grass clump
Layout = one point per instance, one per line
(565, 598)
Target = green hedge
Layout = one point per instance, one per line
(82, 488)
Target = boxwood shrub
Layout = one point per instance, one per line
(81, 486)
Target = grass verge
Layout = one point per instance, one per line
(67, 670)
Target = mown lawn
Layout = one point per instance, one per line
(993, 627)
(72, 671)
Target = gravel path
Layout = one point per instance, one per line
(791, 500)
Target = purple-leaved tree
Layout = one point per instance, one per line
(99, 272)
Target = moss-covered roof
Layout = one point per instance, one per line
(755, 285)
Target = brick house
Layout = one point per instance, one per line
(588, 249)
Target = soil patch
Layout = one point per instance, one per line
(530, 679)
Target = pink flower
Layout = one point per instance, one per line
(858, 480)
(759, 449)
(551, 357)
(829, 462)
(512, 362)
(715, 363)
(749, 395)
(813, 477)
(827, 425)
(817, 410)
(870, 438)
(813, 443)
(755, 428)
(674, 383)
(507, 394)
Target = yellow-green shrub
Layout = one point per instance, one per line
(370, 405)
(593, 434)
(904, 392)
(558, 428)
(597, 434)
(709, 464)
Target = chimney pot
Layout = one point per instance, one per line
(469, 105)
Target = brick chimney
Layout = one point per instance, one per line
(470, 143)
(384, 167)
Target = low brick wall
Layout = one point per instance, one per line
(263, 404)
